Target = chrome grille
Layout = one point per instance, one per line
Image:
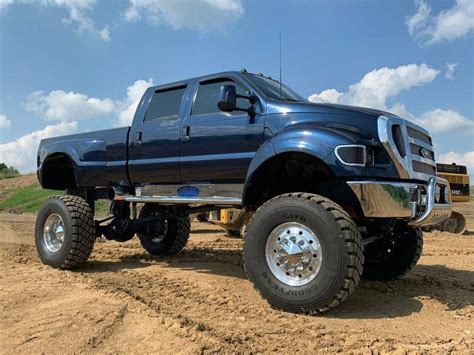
(414, 158)
(423, 168)
(412, 132)
(416, 150)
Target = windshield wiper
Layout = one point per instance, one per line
(288, 99)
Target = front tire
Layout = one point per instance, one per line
(303, 253)
(168, 236)
(65, 232)
(394, 258)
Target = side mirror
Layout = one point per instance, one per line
(227, 98)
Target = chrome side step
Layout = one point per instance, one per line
(177, 200)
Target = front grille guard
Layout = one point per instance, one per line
(433, 206)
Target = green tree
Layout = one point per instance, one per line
(8, 171)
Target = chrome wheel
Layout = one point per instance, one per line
(53, 232)
(293, 254)
(160, 230)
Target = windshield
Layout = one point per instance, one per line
(271, 89)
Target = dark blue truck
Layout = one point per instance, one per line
(335, 192)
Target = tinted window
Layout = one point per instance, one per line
(208, 96)
(271, 89)
(164, 105)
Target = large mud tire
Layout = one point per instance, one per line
(340, 245)
(65, 232)
(166, 237)
(405, 253)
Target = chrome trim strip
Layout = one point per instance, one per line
(205, 190)
(175, 200)
(420, 143)
(423, 160)
(245, 155)
(189, 158)
(385, 124)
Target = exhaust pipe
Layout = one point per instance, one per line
(116, 193)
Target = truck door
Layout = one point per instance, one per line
(154, 140)
(216, 146)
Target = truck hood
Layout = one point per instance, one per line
(278, 107)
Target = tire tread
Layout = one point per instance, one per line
(353, 245)
(83, 227)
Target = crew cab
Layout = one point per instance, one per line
(335, 192)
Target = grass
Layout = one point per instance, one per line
(8, 175)
(30, 199)
(27, 199)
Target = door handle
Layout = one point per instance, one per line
(138, 137)
(185, 133)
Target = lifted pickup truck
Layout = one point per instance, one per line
(336, 192)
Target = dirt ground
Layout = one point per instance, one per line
(124, 301)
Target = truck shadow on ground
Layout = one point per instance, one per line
(371, 300)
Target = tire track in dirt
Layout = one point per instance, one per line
(200, 301)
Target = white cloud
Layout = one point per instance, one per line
(330, 95)
(130, 103)
(466, 159)
(4, 122)
(379, 85)
(203, 15)
(439, 120)
(450, 67)
(78, 11)
(71, 106)
(418, 20)
(21, 153)
(68, 106)
(5, 3)
(450, 24)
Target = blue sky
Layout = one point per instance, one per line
(78, 65)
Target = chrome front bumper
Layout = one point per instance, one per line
(421, 204)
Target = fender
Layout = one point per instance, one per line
(88, 157)
(316, 141)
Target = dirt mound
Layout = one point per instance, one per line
(16, 182)
(124, 300)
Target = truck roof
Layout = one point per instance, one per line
(210, 77)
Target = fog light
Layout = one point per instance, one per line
(352, 154)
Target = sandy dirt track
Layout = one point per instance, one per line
(124, 301)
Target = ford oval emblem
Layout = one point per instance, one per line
(425, 153)
(188, 191)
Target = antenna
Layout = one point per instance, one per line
(280, 64)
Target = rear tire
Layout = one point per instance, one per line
(405, 253)
(303, 253)
(167, 236)
(65, 232)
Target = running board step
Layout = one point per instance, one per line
(177, 200)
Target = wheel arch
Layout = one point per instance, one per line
(271, 177)
(58, 172)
